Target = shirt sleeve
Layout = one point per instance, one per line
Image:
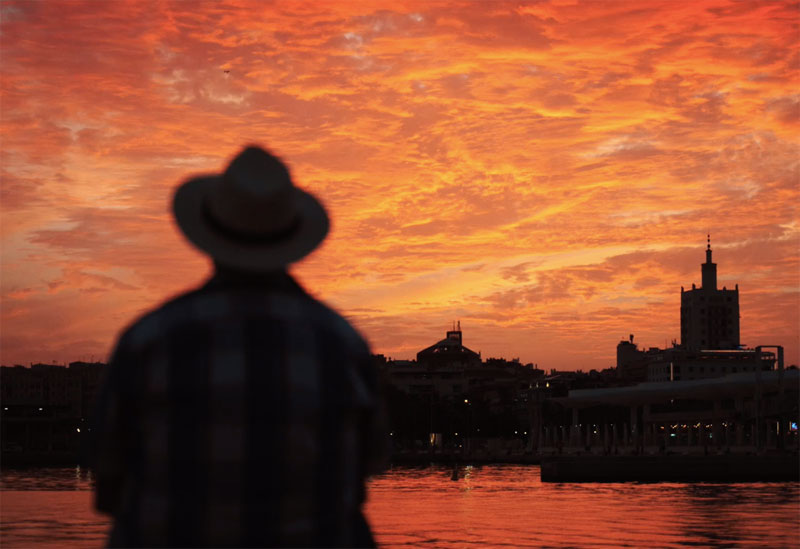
(111, 431)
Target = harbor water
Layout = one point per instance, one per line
(487, 506)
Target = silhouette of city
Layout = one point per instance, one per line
(704, 394)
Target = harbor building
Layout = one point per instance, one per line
(710, 345)
(45, 410)
(679, 364)
(709, 316)
(742, 412)
(451, 370)
(450, 352)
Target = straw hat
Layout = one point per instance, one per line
(251, 217)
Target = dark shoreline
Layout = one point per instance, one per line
(768, 467)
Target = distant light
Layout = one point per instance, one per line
(673, 435)
(40, 409)
(466, 401)
(526, 432)
(515, 432)
(6, 408)
(456, 434)
(792, 425)
(78, 429)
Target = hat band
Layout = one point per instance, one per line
(252, 238)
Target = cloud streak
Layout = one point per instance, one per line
(546, 172)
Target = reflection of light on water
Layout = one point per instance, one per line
(489, 506)
(466, 485)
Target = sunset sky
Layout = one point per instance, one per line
(544, 172)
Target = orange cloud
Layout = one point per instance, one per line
(546, 172)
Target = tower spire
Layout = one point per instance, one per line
(709, 268)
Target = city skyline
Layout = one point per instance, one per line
(543, 172)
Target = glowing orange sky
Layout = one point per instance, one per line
(545, 172)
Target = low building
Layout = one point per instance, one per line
(744, 411)
(45, 407)
(678, 364)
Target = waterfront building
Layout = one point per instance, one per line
(678, 364)
(450, 370)
(709, 316)
(449, 352)
(710, 343)
(740, 412)
(631, 361)
(449, 399)
(45, 407)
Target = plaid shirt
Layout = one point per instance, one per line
(244, 413)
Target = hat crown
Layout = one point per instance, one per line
(256, 197)
(256, 171)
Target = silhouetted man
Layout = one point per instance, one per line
(243, 413)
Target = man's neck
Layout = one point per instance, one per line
(228, 277)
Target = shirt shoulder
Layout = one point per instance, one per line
(210, 307)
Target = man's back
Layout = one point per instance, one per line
(241, 414)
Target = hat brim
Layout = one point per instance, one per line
(248, 254)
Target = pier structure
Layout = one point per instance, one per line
(749, 412)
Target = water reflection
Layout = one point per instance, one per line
(508, 505)
(502, 505)
(46, 479)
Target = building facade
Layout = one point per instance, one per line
(678, 364)
(709, 316)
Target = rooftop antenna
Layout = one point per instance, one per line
(459, 325)
(709, 241)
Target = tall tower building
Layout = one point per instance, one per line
(709, 317)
